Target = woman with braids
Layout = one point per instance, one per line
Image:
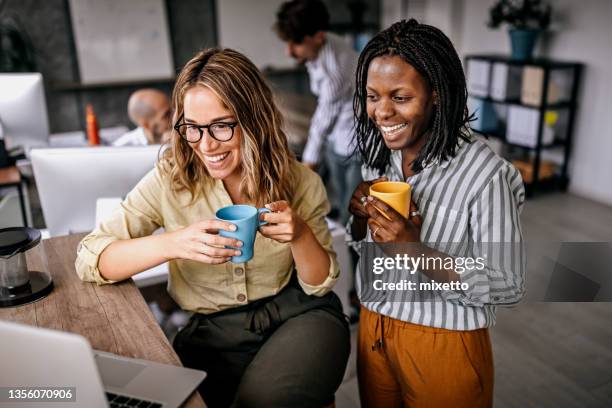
(412, 125)
(268, 332)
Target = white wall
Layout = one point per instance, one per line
(447, 15)
(247, 27)
(392, 11)
(444, 14)
(581, 31)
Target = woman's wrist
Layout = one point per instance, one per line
(303, 232)
(166, 245)
(311, 260)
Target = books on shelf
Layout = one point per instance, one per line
(511, 103)
(522, 127)
(506, 82)
(531, 93)
(478, 77)
(559, 85)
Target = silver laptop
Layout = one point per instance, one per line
(47, 359)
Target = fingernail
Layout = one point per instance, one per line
(239, 244)
(232, 227)
(237, 253)
(370, 198)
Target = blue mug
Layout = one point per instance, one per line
(247, 222)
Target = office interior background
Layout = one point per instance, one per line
(546, 353)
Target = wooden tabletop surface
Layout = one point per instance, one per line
(9, 176)
(114, 318)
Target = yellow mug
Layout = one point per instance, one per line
(395, 193)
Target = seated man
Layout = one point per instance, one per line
(149, 109)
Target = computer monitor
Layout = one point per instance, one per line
(70, 181)
(23, 111)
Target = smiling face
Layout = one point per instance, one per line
(222, 159)
(399, 101)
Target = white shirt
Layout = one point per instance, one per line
(332, 80)
(134, 137)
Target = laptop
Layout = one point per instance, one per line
(43, 358)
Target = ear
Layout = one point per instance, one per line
(145, 124)
(319, 37)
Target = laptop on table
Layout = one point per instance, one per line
(33, 357)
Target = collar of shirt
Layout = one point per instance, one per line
(316, 65)
(396, 162)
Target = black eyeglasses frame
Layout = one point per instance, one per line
(201, 128)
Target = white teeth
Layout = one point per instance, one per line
(389, 129)
(217, 158)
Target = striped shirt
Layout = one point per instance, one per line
(469, 204)
(332, 80)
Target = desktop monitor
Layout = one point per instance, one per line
(23, 111)
(71, 180)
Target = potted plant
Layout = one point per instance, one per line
(526, 18)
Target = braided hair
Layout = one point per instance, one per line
(432, 54)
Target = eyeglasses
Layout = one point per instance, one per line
(192, 133)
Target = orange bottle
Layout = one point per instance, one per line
(92, 126)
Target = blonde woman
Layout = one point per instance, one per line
(269, 332)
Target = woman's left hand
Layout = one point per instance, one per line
(396, 228)
(284, 224)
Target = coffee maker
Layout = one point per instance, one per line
(18, 285)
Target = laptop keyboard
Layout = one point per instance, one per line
(121, 401)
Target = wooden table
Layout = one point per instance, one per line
(114, 318)
(10, 177)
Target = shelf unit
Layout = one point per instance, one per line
(558, 181)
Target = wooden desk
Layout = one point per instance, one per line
(10, 177)
(114, 318)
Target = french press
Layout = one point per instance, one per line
(18, 285)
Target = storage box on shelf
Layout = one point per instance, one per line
(530, 106)
(525, 167)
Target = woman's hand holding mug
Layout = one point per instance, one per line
(201, 242)
(393, 227)
(284, 224)
(358, 203)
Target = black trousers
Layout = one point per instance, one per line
(289, 350)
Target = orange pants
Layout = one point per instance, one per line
(407, 365)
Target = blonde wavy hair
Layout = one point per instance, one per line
(266, 160)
